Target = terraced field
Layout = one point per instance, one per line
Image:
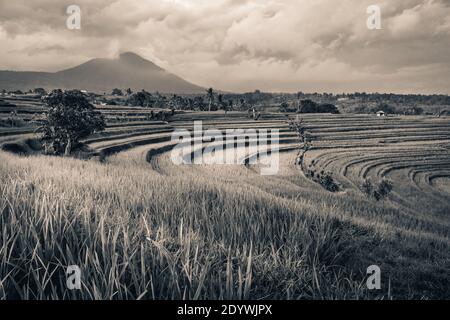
(413, 152)
(226, 231)
(128, 128)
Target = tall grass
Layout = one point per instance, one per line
(136, 234)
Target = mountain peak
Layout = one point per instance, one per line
(130, 55)
(134, 59)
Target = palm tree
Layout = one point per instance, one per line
(299, 95)
(210, 95)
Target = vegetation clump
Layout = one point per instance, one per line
(325, 179)
(379, 191)
(309, 106)
(140, 99)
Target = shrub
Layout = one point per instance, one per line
(309, 106)
(327, 181)
(380, 192)
(384, 188)
(285, 107)
(327, 108)
(367, 187)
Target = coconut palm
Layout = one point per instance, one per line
(210, 95)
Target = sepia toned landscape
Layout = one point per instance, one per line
(88, 180)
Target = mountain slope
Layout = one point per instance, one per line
(102, 75)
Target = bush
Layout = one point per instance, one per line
(367, 187)
(309, 106)
(327, 108)
(327, 181)
(285, 107)
(380, 192)
(384, 189)
(414, 111)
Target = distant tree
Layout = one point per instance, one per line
(199, 104)
(40, 91)
(307, 106)
(210, 96)
(230, 104)
(386, 108)
(141, 99)
(299, 96)
(160, 101)
(284, 107)
(111, 102)
(129, 92)
(327, 108)
(190, 104)
(177, 103)
(117, 92)
(242, 104)
(415, 111)
(69, 118)
(222, 104)
(442, 113)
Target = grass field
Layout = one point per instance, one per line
(140, 227)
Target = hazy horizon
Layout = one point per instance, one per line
(241, 46)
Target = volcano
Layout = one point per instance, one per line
(100, 75)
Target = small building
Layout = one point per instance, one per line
(381, 114)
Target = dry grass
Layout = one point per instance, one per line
(139, 235)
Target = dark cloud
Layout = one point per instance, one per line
(241, 45)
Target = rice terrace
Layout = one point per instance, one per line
(123, 181)
(174, 232)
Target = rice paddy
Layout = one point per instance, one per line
(141, 227)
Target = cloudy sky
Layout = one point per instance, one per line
(243, 45)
